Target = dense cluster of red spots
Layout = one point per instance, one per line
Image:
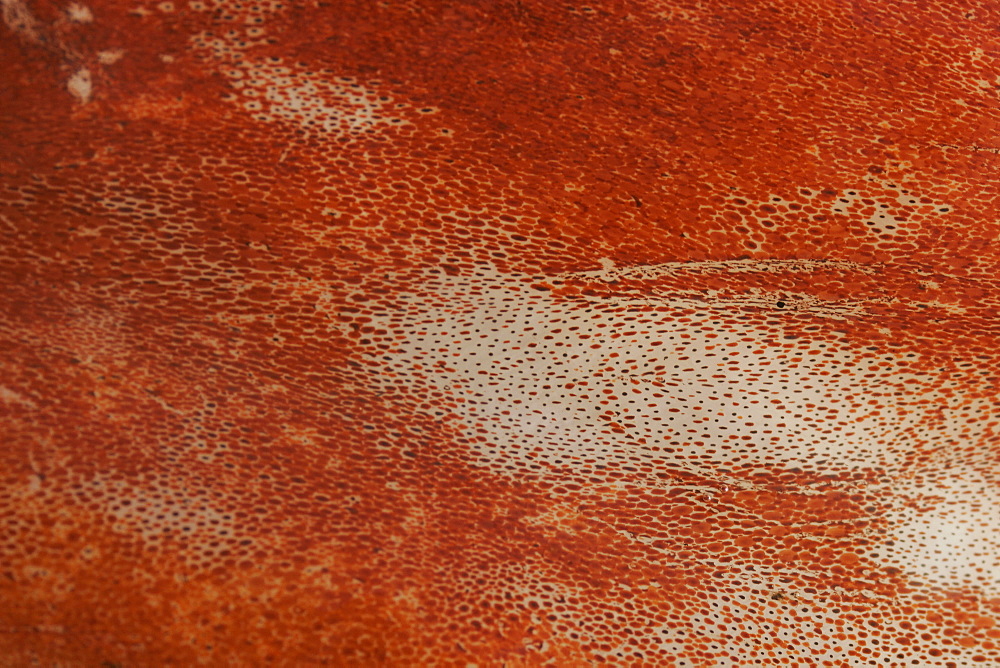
(509, 333)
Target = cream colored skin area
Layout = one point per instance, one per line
(554, 383)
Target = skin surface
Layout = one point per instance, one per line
(502, 333)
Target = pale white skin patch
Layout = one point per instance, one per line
(81, 85)
(79, 13)
(549, 383)
(948, 535)
(110, 56)
(608, 378)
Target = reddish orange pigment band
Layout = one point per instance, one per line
(505, 333)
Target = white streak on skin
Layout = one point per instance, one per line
(110, 56)
(9, 396)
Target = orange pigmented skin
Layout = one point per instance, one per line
(519, 333)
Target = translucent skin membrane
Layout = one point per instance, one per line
(498, 334)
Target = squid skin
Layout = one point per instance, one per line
(503, 334)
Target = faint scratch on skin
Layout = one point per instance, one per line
(609, 272)
(163, 402)
(41, 628)
(835, 310)
(808, 575)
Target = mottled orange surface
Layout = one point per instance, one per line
(502, 333)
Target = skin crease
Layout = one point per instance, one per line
(500, 334)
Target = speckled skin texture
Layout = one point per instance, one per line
(504, 333)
